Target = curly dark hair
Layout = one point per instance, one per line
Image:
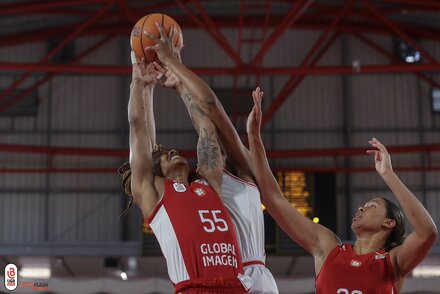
(397, 235)
(125, 172)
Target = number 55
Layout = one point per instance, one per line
(213, 224)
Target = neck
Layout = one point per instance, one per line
(181, 179)
(366, 244)
(179, 176)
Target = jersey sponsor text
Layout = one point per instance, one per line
(218, 254)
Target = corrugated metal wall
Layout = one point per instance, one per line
(90, 111)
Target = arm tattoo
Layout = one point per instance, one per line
(208, 151)
(194, 108)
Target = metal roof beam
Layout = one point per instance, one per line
(53, 52)
(293, 81)
(39, 6)
(227, 71)
(398, 31)
(295, 11)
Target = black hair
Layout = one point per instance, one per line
(125, 172)
(397, 235)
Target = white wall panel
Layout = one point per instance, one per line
(22, 218)
(383, 101)
(317, 103)
(84, 218)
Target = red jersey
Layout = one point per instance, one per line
(346, 272)
(196, 234)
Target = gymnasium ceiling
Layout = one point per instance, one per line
(63, 21)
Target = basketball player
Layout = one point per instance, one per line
(239, 193)
(190, 222)
(381, 258)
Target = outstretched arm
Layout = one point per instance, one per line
(210, 163)
(146, 76)
(142, 179)
(314, 238)
(206, 100)
(418, 243)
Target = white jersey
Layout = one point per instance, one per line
(243, 202)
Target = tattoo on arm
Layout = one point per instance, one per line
(195, 112)
(194, 108)
(208, 151)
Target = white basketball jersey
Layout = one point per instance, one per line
(243, 203)
(242, 200)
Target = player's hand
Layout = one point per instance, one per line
(145, 73)
(165, 49)
(253, 124)
(166, 77)
(382, 158)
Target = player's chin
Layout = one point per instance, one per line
(355, 224)
(180, 162)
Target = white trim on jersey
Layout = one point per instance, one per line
(166, 236)
(240, 180)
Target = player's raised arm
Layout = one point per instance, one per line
(210, 163)
(205, 99)
(314, 238)
(141, 146)
(418, 243)
(236, 152)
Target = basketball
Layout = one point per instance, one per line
(139, 40)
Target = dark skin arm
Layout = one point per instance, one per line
(210, 163)
(315, 238)
(420, 241)
(143, 182)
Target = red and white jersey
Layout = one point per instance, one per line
(348, 273)
(243, 202)
(195, 233)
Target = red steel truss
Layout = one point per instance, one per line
(336, 154)
(356, 18)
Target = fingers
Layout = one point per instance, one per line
(376, 154)
(376, 143)
(161, 30)
(172, 32)
(133, 57)
(159, 68)
(256, 96)
(152, 48)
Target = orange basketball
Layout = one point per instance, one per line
(139, 40)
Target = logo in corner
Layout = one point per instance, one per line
(11, 277)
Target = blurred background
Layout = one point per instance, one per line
(334, 74)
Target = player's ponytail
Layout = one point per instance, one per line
(397, 235)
